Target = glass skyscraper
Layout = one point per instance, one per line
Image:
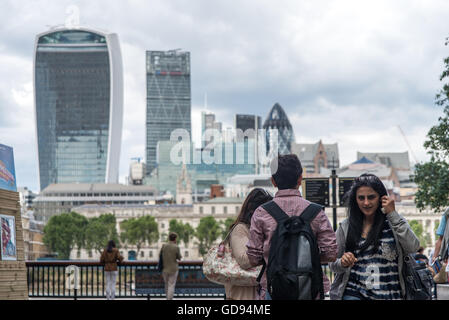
(78, 86)
(168, 98)
(277, 120)
(247, 121)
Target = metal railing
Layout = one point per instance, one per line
(48, 279)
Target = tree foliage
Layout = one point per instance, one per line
(184, 231)
(138, 231)
(226, 225)
(432, 177)
(207, 232)
(63, 232)
(418, 230)
(99, 231)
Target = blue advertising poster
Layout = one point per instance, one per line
(7, 171)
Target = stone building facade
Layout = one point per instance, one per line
(221, 209)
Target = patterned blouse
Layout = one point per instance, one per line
(375, 275)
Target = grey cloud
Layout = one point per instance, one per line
(376, 57)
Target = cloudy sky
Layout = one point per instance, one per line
(345, 71)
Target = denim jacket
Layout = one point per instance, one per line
(406, 243)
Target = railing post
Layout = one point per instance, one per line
(334, 198)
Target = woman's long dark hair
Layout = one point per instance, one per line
(255, 198)
(356, 216)
(111, 244)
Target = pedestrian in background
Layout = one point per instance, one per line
(110, 257)
(171, 255)
(441, 245)
(238, 239)
(439, 258)
(371, 245)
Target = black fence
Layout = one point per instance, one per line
(48, 279)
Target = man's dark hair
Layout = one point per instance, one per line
(287, 171)
(172, 236)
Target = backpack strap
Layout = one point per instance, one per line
(275, 211)
(278, 214)
(311, 212)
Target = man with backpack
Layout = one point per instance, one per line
(292, 237)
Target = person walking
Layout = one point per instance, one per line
(170, 257)
(110, 257)
(239, 238)
(441, 245)
(371, 245)
(286, 171)
(441, 252)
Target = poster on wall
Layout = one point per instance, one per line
(8, 236)
(7, 170)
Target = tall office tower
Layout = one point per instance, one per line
(247, 121)
(78, 88)
(168, 98)
(208, 122)
(277, 119)
(250, 121)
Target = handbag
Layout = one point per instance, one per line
(160, 264)
(219, 266)
(418, 280)
(441, 276)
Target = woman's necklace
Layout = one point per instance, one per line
(366, 228)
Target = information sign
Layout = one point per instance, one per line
(316, 190)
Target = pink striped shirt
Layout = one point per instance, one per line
(263, 226)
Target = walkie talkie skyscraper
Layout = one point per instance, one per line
(78, 87)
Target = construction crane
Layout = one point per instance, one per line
(137, 158)
(408, 144)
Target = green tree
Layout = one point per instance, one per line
(184, 230)
(225, 226)
(99, 231)
(207, 232)
(138, 231)
(418, 230)
(63, 232)
(432, 177)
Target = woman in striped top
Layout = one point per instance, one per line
(371, 245)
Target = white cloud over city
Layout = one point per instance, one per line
(344, 71)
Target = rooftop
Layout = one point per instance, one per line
(96, 187)
(398, 160)
(225, 200)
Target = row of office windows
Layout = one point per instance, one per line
(102, 194)
(213, 209)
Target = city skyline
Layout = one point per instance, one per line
(344, 72)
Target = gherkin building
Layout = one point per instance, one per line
(277, 120)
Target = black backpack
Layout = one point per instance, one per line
(418, 280)
(294, 268)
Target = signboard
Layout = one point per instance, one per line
(7, 171)
(344, 184)
(316, 190)
(8, 237)
(191, 280)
